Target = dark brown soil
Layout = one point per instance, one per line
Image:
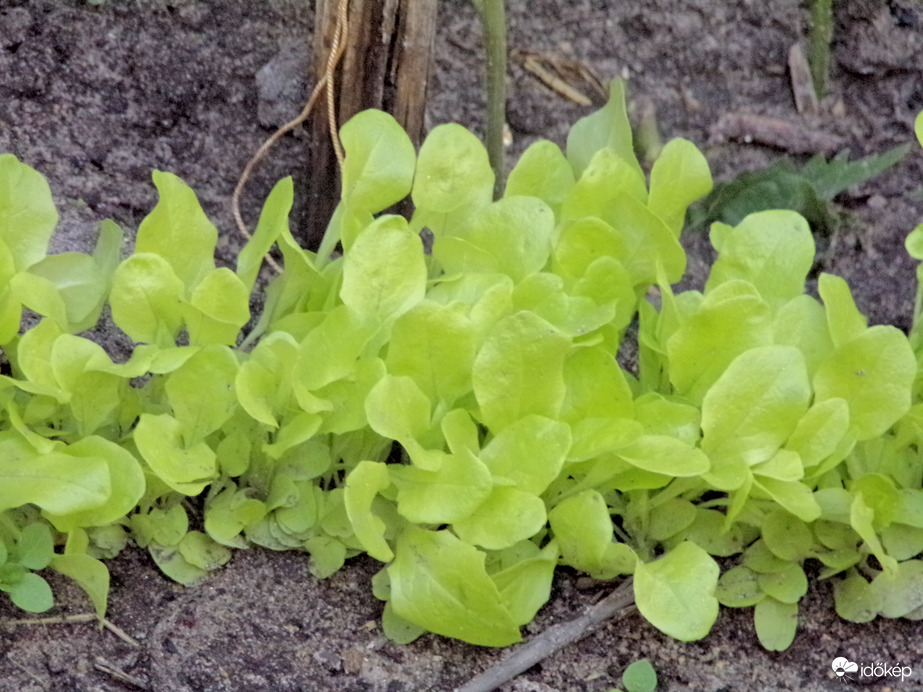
(95, 97)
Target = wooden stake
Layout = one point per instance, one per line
(389, 47)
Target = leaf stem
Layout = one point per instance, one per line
(821, 35)
(493, 19)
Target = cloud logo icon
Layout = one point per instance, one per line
(841, 666)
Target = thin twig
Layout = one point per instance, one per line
(120, 675)
(325, 82)
(72, 619)
(553, 639)
(24, 669)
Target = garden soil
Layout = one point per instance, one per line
(96, 95)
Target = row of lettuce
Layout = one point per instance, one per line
(458, 413)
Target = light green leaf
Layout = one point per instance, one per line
(146, 299)
(670, 517)
(776, 623)
(172, 563)
(666, 455)
(178, 231)
(327, 555)
(512, 236)
(640, 676)
(596, 386)
(165, 527)
(439, 583)
(450, 492)
(582, 241)
(185, 469)
(56, 482)
(710, 532)
(93, 396)
(755, 404)
(820, 431)
(295, 430)
(787, 536)
(900, 593)
(218, 307)
(90, 574)
(362, 485)
(525, 585)
(39, 294)
(802, 323)
(126, 482)
(880, 495)
(874, 373)
(435, 345)
(583, 530)
(542, 171)
(508, 515)
(529, 452)
(397, 408)
(739, 587)
(773, 250)
(861, 518)
(676, 593)
(31, 593)
(843, 317)
(228, 513)
(384, 273)
(380, 161)
(732, 319)
(788, 585)
(793, 496)
(330, 351)
(200, 550)
(34, 547)
(662, 416)
(273, 220)
(452, 180)
(652, 251)
(201, 392)
(855, 598)
(784, 465)
(27, 213)
(263, 383)
(519, 370)
(543, 293)
(679, 177)
(606, 128)
(396, 628)
(75, 280)
(607, 181)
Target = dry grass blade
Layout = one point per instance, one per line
(570, 78)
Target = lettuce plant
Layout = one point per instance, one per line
(462, 414)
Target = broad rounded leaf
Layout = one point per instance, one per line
(27, 213)
(384, 272)
(676, 593)
(380, 161)
(185, 469)
(773, 250)
(178, 231)
(874, 373)
(439, 583)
